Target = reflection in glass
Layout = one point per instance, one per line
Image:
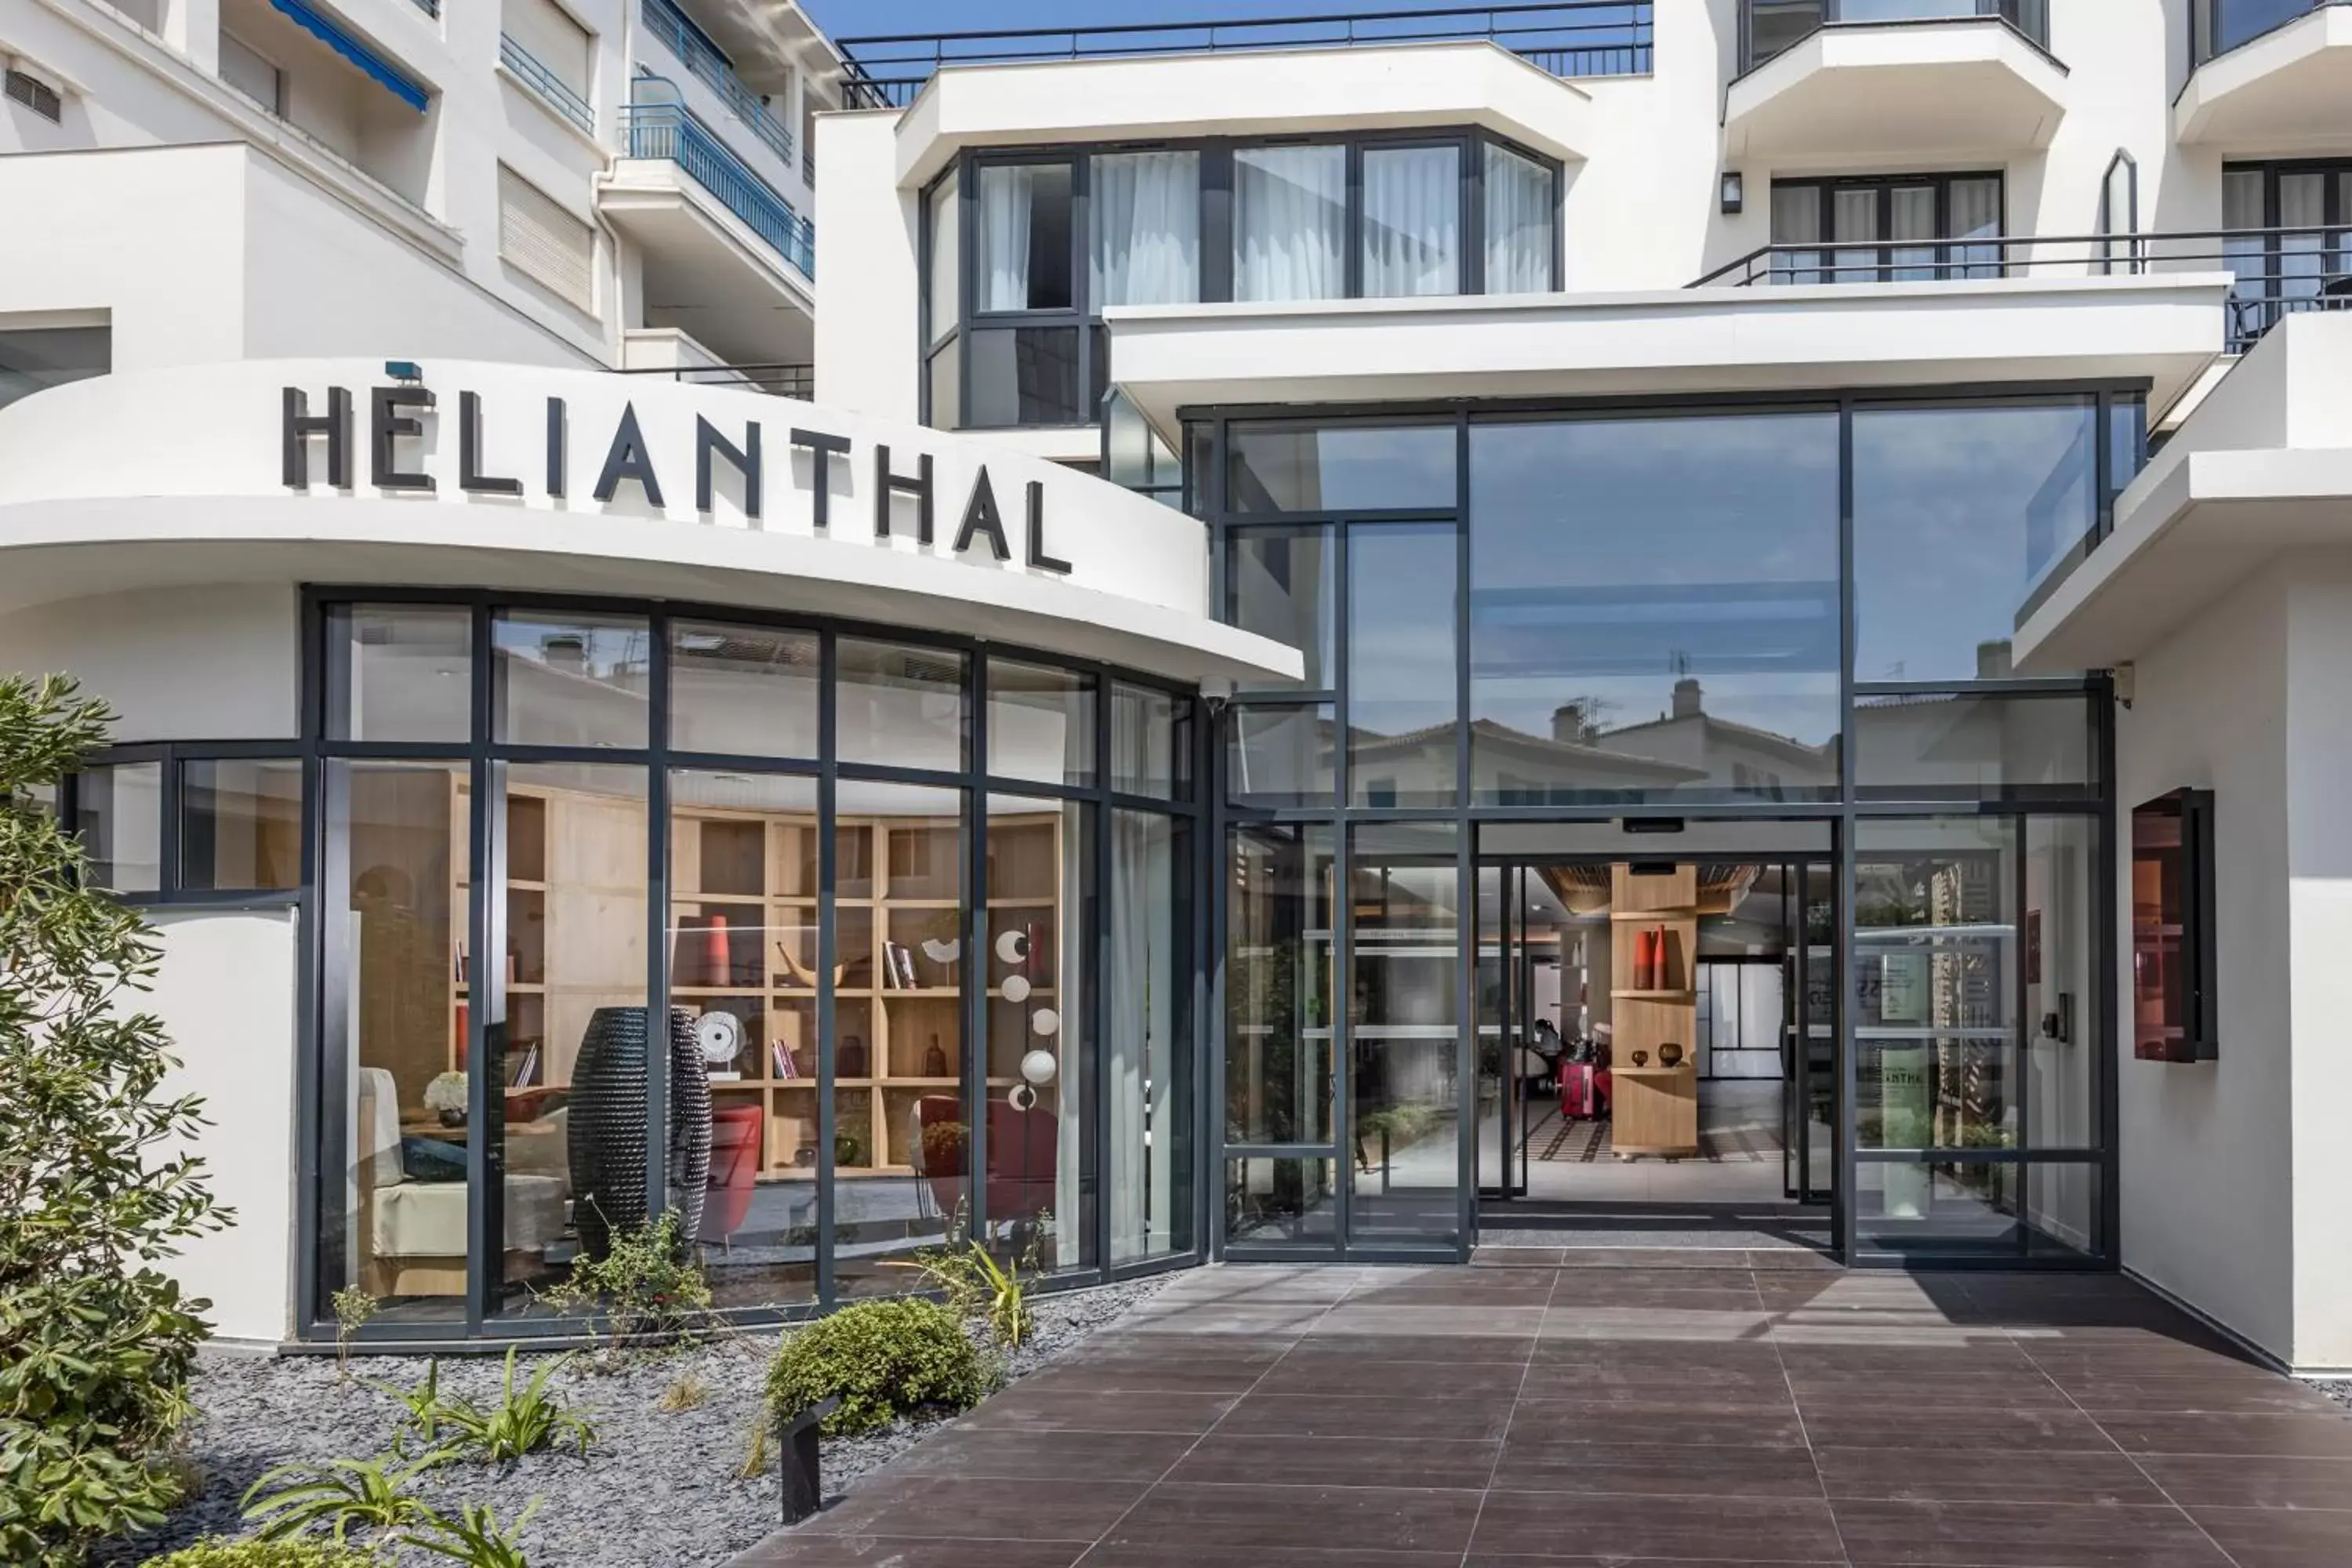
(1948, 746)
(572, 681)
(1042, 1184)
(118, 816)
(1150, 743)
(1280, 756)
(1521, 212)
(1654, 609)
(1021, 237)
(1936, 983)
(2064, 1040)
(1405, 1032)
(1024, 376)
(900, 706)
(946, 275)
(1402, 699)
(1041, 723)
(1339, 468)
(241, 826)
(1959, 512)
(1144, 209)
(1148, 1056)
(1276, 1201)
(401, 672)
(1943, 1206)
(1278, 583)
(1290, 223)
(742, 934)
(1278, 986)
(576, 1038)
(743, 690)
(393, 1204)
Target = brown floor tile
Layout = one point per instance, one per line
(1242, 1458)
(1254, 1517)
(2221, 1393)
(1551, 1421)
(800, 1550)
(1911, 1392)
(1513, 1349)
(1620, 1528)
(1653, 1260)
(2279, 1537)
(2039, 1535)
(2216, 1480)
(1960, 1430)
(1656, 1469)
(1683, 1359)
(1457, 1287)
(1941, 1475)
(1046, 1411)
(1368, 1416)
(1976, 1355)
(1137, 1555)
(1489, 1256)
(1147, 1374)
(1597, 1284)
(2259, 1436)
(967, 1449)
(1364, 1374)
(914, 1505)
(1594, 1388)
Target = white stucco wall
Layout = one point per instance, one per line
(2209, 1151)
(226, 995)
(217, 662)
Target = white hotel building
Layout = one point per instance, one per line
(1336, 639)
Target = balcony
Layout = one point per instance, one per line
(2271, 76)
(551, 88)
(2274, 273)
(1906, 79)
(704, 62)
(1567, 39)
(726, 257)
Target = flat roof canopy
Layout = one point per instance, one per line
(556, 481)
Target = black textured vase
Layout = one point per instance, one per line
(605, 1131)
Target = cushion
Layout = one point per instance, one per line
(427, 1219)
(432, 1159)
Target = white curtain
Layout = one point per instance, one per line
(1139, 1054)
(1290, 223)
(1007, 196)
(1412, 221)
(1518, 223)
(1146, 245)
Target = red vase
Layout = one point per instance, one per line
(1645, 959)
(716, 968)
(1659, 978)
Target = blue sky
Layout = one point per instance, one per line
(864, 17)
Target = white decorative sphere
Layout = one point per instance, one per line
(1038, 1067)
(1046, 1021)
(1012, 946)
(1016, 988)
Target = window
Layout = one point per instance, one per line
(1290, 223)
(1412, 221)
(2217, 26)
(1770, 26)
(547, 32)
(1903, 229)
(1522, 211)
(32, 358)
(1144, 248)
(250, 73)
(538, 238)
(2290, 242)
(2174, 1016)
(35, 94)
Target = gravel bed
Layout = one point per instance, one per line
(653, 1476)
(2339, 1392)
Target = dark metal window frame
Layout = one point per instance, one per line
(1987, 12)
(2199, 916)
(173, 758)
(1216, 195)
(2201, 16)
(1207, 493)
(321, 1093)
(1943, 243)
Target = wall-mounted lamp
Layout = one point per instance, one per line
(1734, 190)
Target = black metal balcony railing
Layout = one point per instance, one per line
(776, 380)
(1766, 27)
(1567, 39)
(2217, 26)
(2279, 272)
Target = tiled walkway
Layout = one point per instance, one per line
(1621, 1408)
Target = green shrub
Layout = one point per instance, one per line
(96, 1189)
(885, 1359)
(215, 1552)
(647, 1283)
(522, 1422)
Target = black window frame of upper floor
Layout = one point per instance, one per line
(2199, 15)
(2256, 305)
(1953, 260)
(1084, 319)
(174, 820)
(2029, 19)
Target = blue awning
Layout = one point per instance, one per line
(329, 32)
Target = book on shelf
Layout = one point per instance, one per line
(724, 1075)
(783, 1059)
(903, 957)
(527, 1068)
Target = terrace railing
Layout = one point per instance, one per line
(776, 380)
(708, 67)
(546, 83)
(2279, 272)
(1567, 39)
(663, 129)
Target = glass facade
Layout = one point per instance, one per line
(864, 876)
(1711, 617)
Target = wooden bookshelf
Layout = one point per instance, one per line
(1655, 1107)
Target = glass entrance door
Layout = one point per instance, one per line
(1505, 1019)
(1808, 1033)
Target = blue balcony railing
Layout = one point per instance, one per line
(669, 131)
(545, 83)
(1565, 37)
(708, 67)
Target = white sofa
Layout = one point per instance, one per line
(414, 1232)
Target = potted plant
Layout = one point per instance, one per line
(445, 1096)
